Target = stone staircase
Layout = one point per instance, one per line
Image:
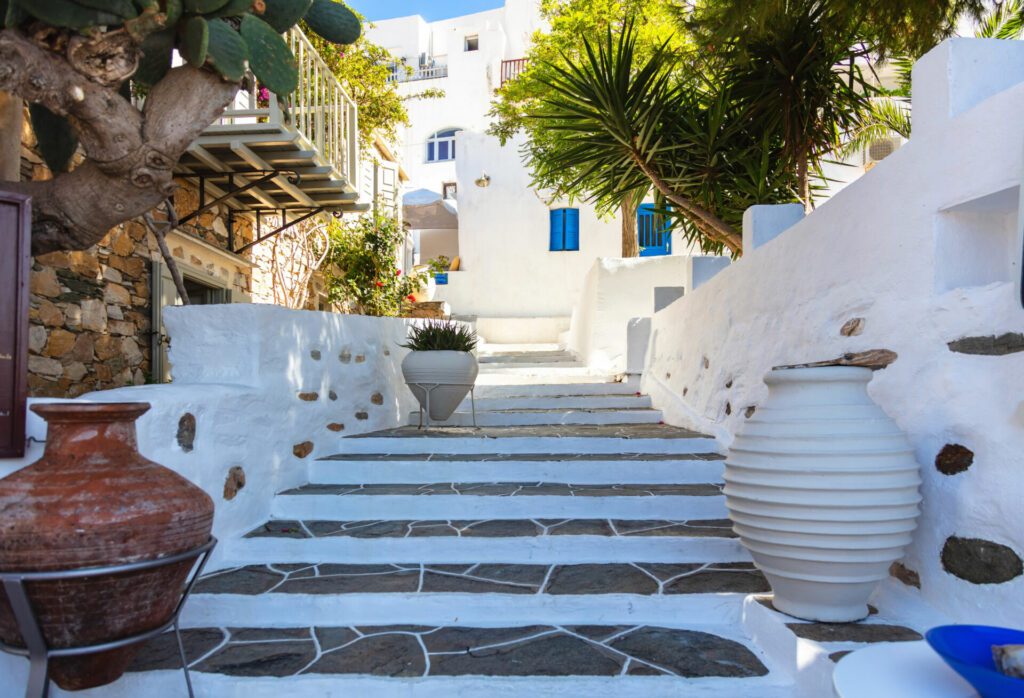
(570, 546)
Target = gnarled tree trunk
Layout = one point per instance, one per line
(130, 154)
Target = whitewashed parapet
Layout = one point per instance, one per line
(765, 222)
(701, 269)
(959, 74)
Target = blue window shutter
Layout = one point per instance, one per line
(572, 229)
(430, 151)
(557, 230)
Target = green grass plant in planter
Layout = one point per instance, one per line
(441, 369)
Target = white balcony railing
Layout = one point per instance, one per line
(319, 110)
(400, 74)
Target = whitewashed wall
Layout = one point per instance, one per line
(265, 385)
(924, 250)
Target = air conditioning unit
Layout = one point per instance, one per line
(879, 149)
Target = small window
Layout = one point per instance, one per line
(450, 190)
(441, 146)
(473, 43)
(565, 230)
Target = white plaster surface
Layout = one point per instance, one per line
(763, 223)
(873, 253)
(239, 369)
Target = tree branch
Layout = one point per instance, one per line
(713, 226)
(130, 155)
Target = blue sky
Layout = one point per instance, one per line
(430, 9)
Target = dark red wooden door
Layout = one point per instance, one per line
(14, 269)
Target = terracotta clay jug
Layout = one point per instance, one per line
(92, 500)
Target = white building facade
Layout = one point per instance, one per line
(522, 259)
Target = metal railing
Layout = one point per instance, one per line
(400, 74)
(512, 69)
(319, 109)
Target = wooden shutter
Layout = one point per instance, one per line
(557, 230)
(15, 221)
(572, 229)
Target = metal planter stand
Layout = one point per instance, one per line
(429, 388)
(39, 654)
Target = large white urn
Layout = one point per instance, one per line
(443, 376)
(822, 489)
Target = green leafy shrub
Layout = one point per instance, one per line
(439, 265)
(360, 270)
(441, 335)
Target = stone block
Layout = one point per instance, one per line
(72, 316)
(114, 312)
(107, 347)
(112, 275)
(94, 315)
(130, 351)
(980, 561)
(43, 282)
(36, 338)
(115, 294)
(75, 371)
(122, 328)
(45, 367)
(59, 343)
(84, 263)
(84, 349)
(49, 314)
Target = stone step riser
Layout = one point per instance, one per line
(557, 390)
(555, 402)
(485, 418)
(369, 507)
(486, 378)
(304, 610)
(452, 550)
(574, 445)
(581, 472)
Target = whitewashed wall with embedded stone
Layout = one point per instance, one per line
(258, 392)
(921, 257)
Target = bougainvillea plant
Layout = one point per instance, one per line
(360, 267)
(74, 60)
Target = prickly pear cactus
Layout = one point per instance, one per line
(227, 51)
(282, 15)
(333, 21)
(195, 41)
(270, 58)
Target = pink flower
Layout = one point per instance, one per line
(264, 94)
(411, 298)
(379, 284)
(398, 272)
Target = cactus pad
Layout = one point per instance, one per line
(227, 51)
(156, 57)
(333, 21)
(195, 40)
(282, 15)
(270, 58)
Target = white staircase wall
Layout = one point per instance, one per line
(923, 251)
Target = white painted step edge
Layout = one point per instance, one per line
(512, 444)
(558, 390)
(565, 550)
(558, 402)
(485, 418)
(582, 472)
(304, 610)
(159, 684)
(312, 507)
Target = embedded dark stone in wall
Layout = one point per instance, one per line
(980, 561)
(302, 450)
(315, 355)
(707, 364)
(1007, 343)
(853, 327)
(728, 384)
(953, 459)
(234, 482)
(377, 399)
(187, 432)
(360, 358)
(345, 357)
(685, 391)
(905, 574)
(309, 397)
(336, 426)
(749, 412)
(362, 415)
(728, 408)
(332, 395)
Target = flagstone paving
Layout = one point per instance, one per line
(422, 651)
(512, 489)
(610, 431)
(494, 528)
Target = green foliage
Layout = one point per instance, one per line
(360, 270)
(441, 335)
(362, 69)
(438, 265)
(333, 21)
(195, 41)
(57, 140)
(270, 58)
(197, 28)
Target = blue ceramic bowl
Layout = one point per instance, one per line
(968, 650)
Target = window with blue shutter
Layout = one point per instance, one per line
(565, 230)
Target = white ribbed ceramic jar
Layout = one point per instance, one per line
(822, 489)
(448, 375)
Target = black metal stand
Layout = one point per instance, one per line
(39, 654)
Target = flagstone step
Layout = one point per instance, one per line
(625, 438)
(504, 500)
(623, 654)
(509, 540)
(532, 358)
(546, 416)
(559, 402)
(580, 468)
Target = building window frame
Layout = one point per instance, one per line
(471, 43)
(441, 145)
(564, 232)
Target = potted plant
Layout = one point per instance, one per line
(441, 368)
